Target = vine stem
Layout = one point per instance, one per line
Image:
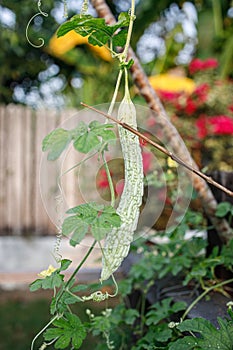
(130, 29)
(202, 296)
(76, 271)
(123, 56)
(111, 187)
(43, 329)
(80, 265)
(163, 150)
(115, 92)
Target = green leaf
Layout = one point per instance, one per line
(102, 130)
(98, 31)
(163, 310)
(86, 138)
(60, 302)
(37, 284)
(123, 19)
(211, 337)
(109, 218)
(120, 38)
(76, 341)
(162, 332)
(186, 343)
(200, 325)
(76, 225)
(54, 280)
(179, 306)
(63, 341)
(68, 329)
(223, 209)
(56, 142)
(97, 218)
(52, 333)
(98, 231)
(65, 263)
(85, 143)
(130, 316)
(83, 23)
(86, 210)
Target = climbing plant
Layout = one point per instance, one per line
(114, 225)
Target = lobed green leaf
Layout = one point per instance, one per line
(97, 218)
(210, 336)
(186, 343)
(56, 142)
(35, 285)
(49, 282)
(98, 31)
(68, 329)
(65, 263)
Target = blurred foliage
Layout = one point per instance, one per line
(28, 73)
(204, 115)
(215, 33)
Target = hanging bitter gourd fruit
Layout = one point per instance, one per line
(117, 242)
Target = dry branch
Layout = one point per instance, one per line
(207, 199)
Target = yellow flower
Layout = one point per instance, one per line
(173, 83)
(48, 272)
(59, 46)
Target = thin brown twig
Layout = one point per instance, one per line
(163, 150)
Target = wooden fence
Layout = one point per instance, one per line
(21, 133)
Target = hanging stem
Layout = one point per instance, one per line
(111, 187)
(130, 29)
(115, 92)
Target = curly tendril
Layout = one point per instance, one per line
(30, 21)
(65, 15)
(84, 7)
(100, 296)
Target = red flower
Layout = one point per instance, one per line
(216, 125)
(222, 125)
(210, 63)
(168, 95)
(201, 92)
(190, 107)
(199, 65)
(195, 65)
